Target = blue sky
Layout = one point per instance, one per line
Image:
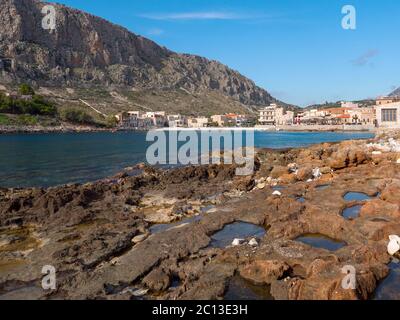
(295, 49)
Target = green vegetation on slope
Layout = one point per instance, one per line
(77, 117)
(27, 103)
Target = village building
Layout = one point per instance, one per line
(386, 100)
(284, 118)
(275, 115)
(242, 120)
(362, 116)
(199, 122)
(313, 116)
(368, 116)
(349, 104)
(236, 120)
(344, 119)
(141, 120)
(220, 120)
(268, 115)
(388, 115)
(176, 121)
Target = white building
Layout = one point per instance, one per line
(219, 119)
(274, 115)
(141, 120)
(199, 122)
(286, 119)
(349, 104)
(388, 115)
(268, 115)
(176, 121)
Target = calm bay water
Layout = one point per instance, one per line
(28, 160)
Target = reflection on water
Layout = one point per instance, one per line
(236, 230)
(389, 288)
(352, 212)
(321, 241)
(356, 196)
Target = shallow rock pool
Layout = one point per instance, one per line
(236, 230)
(241, 289)
(356, 196)
(352, 212)
(321, 241)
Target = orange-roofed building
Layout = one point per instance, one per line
(344, 118)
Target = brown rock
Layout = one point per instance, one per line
(348, 158)
(326, 170)
(288, 178)
(305, 173)
(157, 280)
(264, 271)
(378, 207)
(391, 193)
(339, 160)
(278, 171)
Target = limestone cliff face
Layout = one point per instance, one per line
(87, 50)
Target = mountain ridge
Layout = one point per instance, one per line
(395, 93)
(88, 51)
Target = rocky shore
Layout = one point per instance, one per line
(204, 233)
(5, 129)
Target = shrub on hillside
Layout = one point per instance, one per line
(111, 122)
(77, 116)
(26, 90)
(35, 106)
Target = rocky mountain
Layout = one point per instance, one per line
(395, 92)
(85, 51)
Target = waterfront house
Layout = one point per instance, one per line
(388, 115)
(344, 118)
(141, 120)
(275, 115)
(236, 120)
(199, 122)
(241, 120)
(364, 116)
(268, 115)
(313, 116)
(176, 121)
(284, 118)
(368, 115)
(220, 119)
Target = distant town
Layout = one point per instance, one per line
(25, 108)
(383, 114)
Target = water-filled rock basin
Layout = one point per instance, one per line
(321, 241)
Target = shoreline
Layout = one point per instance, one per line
(133, 214)
(88, 129)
